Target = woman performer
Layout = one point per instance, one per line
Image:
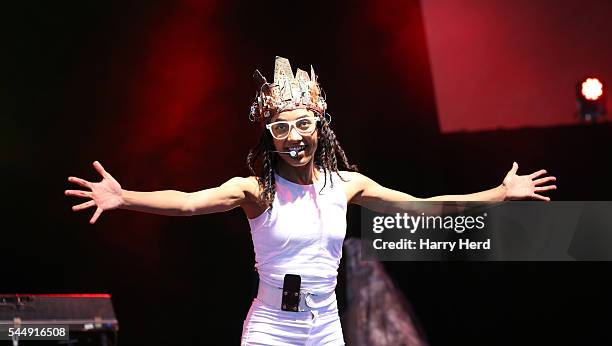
(296, 203)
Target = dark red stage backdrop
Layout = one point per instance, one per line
(511, 64)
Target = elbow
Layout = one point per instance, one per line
(187, 208)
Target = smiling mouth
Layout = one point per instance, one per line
(297, 148)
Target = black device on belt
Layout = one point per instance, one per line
(291, 292)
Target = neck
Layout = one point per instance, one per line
(304, 175)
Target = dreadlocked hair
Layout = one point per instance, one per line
(329, 156)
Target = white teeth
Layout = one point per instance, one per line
(297, 148)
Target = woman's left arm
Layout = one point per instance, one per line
(367, 193)
(513, 187)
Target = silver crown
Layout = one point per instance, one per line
(287, 92)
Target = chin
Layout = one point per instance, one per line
(303, 161)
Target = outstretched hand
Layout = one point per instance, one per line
(527, 186)
(105, 195)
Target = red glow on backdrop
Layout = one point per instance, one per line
(511, 64)
(171, 82)
(592, 89)
(401, 25)
(173, 103)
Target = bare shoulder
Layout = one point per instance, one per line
(248, 185)
(251, 206)
(354, 179)
(354, 184)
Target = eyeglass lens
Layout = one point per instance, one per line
(304, 126)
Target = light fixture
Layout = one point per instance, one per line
(591, 98)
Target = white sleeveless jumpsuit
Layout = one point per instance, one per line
(302, 234)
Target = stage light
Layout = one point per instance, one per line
(591, 98)
(591, 89)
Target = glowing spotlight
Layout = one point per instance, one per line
(591, 99)
(592, 89)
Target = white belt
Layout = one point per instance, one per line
(273, 296)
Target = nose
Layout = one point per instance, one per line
(294, 134)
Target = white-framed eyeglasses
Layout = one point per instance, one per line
(304, 126)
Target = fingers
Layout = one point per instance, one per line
(78, 193)
(537, 174)
(85, 205)
(540, 197)
(95, 216)
(545, 188)
(82, 182)
(544, 180)
(514, 168)
(100, 169)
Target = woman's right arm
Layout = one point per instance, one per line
(108, 194)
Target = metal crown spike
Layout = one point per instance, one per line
(287, 92)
